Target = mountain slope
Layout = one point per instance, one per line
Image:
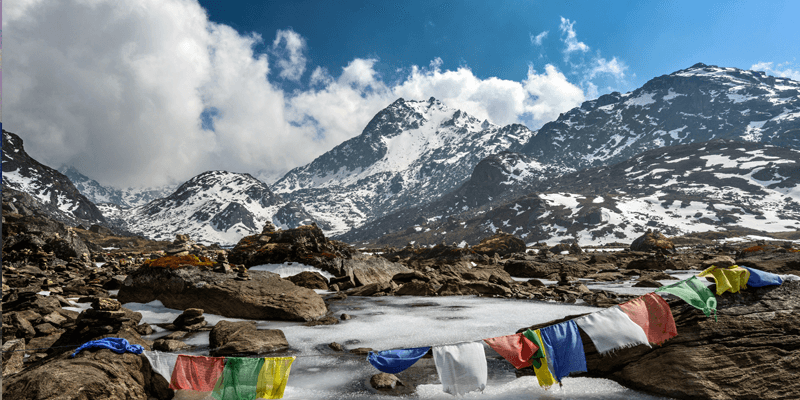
(713, 186)
(696, 104)
(213, 207)
(98, 193)
(50, 187)
(410, 153)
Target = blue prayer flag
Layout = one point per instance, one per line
(117, 345)
(394, 361)
(564, 348)
(759, 278)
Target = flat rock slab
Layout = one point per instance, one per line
(265, 296)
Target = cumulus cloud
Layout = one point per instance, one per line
(783, 70)
(289, 47)
(570, 38)
(614, 68)
(538, 39)
(120, 92)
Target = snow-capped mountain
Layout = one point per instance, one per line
(213, 207)
(50, 187)
(720, 185)
(496, 179)
(411, 153)
(696, 104)
(97, 193)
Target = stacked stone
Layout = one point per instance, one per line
(192, 319)
(181, 246)
(105, 317)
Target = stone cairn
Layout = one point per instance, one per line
(104, 318)
(191, 320)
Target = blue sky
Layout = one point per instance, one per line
(153, 92)
(493, 38)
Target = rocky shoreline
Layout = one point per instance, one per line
(755, 344)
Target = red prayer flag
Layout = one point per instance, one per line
(196, 373)
(517, 349)
(653, 314)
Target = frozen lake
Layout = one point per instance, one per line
(401, 322)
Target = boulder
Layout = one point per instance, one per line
(306, 244)
(367, 269)
(501, 244)
(310, 280)
(263, 296)
(750, 352)
(229, 338)
(416, 288)
(652, 241)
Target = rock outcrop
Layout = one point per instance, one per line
(95, 375)
(263, 295)
(652, 241)
(501, 244)
(751, 352)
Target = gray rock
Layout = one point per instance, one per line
(229, 338)
(264, 296)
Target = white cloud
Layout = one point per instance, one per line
(615, 68)
(289, 47)
(537, 40)
(550, 94)
(783, 70)
(570, 38)
(118, 92)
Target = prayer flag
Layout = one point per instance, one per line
(273, 377)
(394, 361)
(695, 293)
(239, 379)
(539, 360)
(564, 348)
(462, 367)
(517, 349)
(197, 373)
(759, 278)
(653, 314)
(728, 279)
(117, 345)
(162, 363)
(611, 329)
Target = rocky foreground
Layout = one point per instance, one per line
(753, 351)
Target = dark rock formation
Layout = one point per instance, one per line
(501, 244)
(652, 241)
(310, 280)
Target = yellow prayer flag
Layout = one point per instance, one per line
(273, 377)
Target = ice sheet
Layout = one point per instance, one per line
(409, 321)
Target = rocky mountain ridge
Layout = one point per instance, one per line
(59, 198)
(696, 104)
(410, 153)
(97, 193)
(720, 185)
(214, 207)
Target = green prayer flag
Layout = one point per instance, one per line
(536, 358)
(239, 379)
(695, 293)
